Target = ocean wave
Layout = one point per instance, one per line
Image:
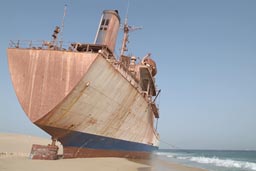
(161, 153)
(170, 155)
(165, 154)
(183, 158)
(224, 162)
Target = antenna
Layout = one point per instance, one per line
(127, 10)
(127, 29)
(62, 24)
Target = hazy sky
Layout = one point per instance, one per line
(205, 52)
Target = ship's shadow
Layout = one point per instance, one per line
(150, 163)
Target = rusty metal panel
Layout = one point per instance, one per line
(43, 152)
(43, 78)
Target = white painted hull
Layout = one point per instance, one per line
(106, 104)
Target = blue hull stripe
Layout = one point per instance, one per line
(84, 140)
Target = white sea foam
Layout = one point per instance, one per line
(170, 155)
(161, 153)
(224, 162)
(183, 158)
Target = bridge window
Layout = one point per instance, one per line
(104, 24)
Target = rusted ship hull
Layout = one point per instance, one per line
(84, 101)
(78, 144)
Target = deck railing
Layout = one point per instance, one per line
(60, 45)
(39, 44)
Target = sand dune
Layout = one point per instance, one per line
(16, 145)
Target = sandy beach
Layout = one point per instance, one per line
(15, 150)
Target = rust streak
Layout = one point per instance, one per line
(75, 100)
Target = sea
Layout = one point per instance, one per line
(212, 160)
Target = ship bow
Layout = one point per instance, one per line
(43, 78)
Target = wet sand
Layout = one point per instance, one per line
(161, 165)
(15, 149)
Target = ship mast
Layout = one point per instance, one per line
(127, 29)
(125, 38)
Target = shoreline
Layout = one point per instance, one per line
(15, 150)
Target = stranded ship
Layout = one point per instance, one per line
(94, 104)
